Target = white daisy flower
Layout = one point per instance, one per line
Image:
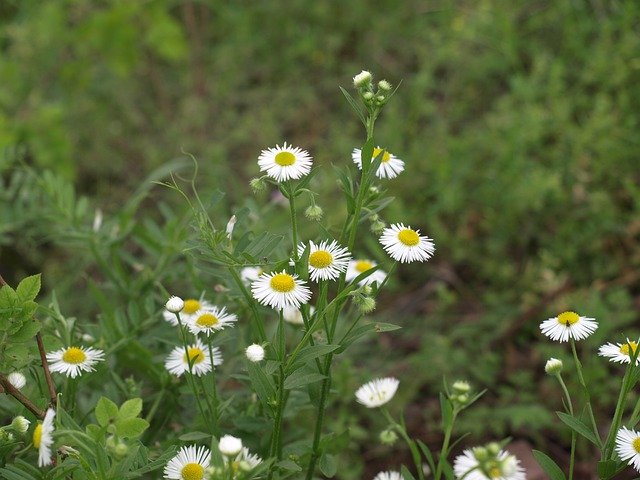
(390, 165)
(17, 379)
(628, 447)
(293, 315)
(406, 245)
(390, 475)
(619, 352)
(280, 290)
(357, 267)
(326, 260)
(190, 307)
(211, 320)
(43, 438)
(189, 464)
(249, 274)
(568, 325)
(285, 163)
(177, 362)
(377, 392)
(72, 361)
(502, 466)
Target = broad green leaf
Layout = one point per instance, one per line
(549, 466)
(328, 465)
(105, 411)
(26, 332)
(289, 465)
(28, 288)
(302, 377)
(575, 424)
(194, 436)
(130, 409)
(131, 427)
(311, 352)
(262, 385)
(607, 469)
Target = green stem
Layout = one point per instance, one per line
(252, 305)
(594, 425)
(317, 433)
(573, 432)
(617, 416)
(214, 407)
(294, 221)
(415, 453)
(445, 446)
(275, 449)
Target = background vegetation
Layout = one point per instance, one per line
(518, 121)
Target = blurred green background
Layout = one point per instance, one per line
(518, 122)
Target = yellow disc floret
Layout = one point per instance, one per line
(284, 159)
(636, 444)
(191, 306)
(282, 282)
(192, 471)
(320, 259)
(385, 157)
(409, 237)
(194, 354)
(363, 265)
(207, 320)
(37, 435)
(74, 355)
(624, 349)
(568, 318)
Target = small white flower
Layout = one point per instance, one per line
(17, 379)
(174, 305)
(189, 464)
(190, 307)
(390, 475)
(390, 165)
(377, 392)
(20, 424)
(72, 361)
(553, 366)
(285, 163)
(357, 267)
(502, 466)
(568, 325)
(230, 224)
(280, 290)
(255, 353)
(249, 274)
(619, 352)
(229, 445)
(244, 462)
(43, 438)
(211, 320)
(326, 260)
(406, 245)
(628, 447)
(362, 79)
(178, 363)
(461, 386)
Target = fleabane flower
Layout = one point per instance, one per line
(17, 379)
(502, 466)
(280, 290)
(190, 307)
(628, 447)
(211, 320)
(230, 445)
(285, 163)
(357, 267)
(406, 245)
(326, 260)
(254, 353)
(72, 361)
(390, 165)
(568, 325)
(390, 475)
(377, 392)
(245, 461)
(249, 274)
(174, 305)
(178, 360)
(620, 352)
(43, 438)
(189, 464)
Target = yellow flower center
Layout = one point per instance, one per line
(386, 156)
(282, 282)
(195, 355)
(320, 259)
(37, 435)
(363, 265)
(568, 318)
(284, 159)
(409, 237)
(624, 349)
(191, 306)
(495, 472)
(207, 320)
(636, 444)
(74, 355)
(192, 471)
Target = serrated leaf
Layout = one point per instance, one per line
(105, 411)
(28, 288)
(302, 377)
(130, 409)
(26, 332)
(328, 465)
(579, 427)
(131, 427)
(548, 465)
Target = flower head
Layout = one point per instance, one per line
(20, 424)
(280, 290)
(43, 438)
(628, 447)
(390, 475)
(363, 79)
(377, 392)
(72, 361)
(568, 325)
(190, 307)
(17, 379)
(249, 274)
(174, 305)
(229, 445)
(620, 352)
(553, 366)
(189, 464)
(255, 353)
(483, 464)
(211, 320)
(390, 165)
(197, 354)
(326, 260)
(359, 266)
(406, 245)
(285, 163)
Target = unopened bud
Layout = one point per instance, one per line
(362, 80)
(553, 366)
(367, 95)
(17, 379)
(174, 305)
(384, 85)
(493, 448)
(461, 386)
(367, 304)
(313, 212)
(20, 424)
(257, 185)
(388, 437)
(230, 224)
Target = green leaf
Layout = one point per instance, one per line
(427, 454)
(194, 436)
(130, 408)
(105, 411)
(548, 465)
(447, 411)
(328, 465)
(354, 105)
(301, 377)
(95, 431)
(262, 385)
(131, 427)
(311, 352)
(289, 465)
(26, 332)
(607, 469)
(28, 288)
(363, 330)
(579, 427)
(406, 474)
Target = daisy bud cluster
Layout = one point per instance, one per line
(459, 395)
(488, 462)
(372, 97)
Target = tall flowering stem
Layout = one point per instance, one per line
(415, 453)
(569, 407)
(594, 425)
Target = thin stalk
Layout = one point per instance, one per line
(415, 453)
(214, 408)
(573, 432)
(252, 305)
(275, 449)
(317, 433)
(294, 221)
(53, 398)
(594, 425)
(445, 446)
(617, 416)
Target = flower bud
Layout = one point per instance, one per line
(230, 224)
(362, 80)
(367, 304)
(553, 366)
(20, 424)
(384, 85)
(17, 379)
(493, 448)
(367, 95)
(255, 353)
(257, 185)
(174, 305)
(313, 212)
(388, 436)
(461, 386)
(230, 445)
